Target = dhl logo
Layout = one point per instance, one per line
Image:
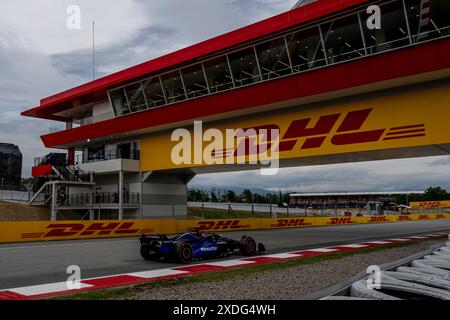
(404, 218)
(344, 132)
(431, 204)
(221, 225)
(77, 229)
(440, 216)
(424, 217)
(286, 223)
(340, 221)
(378, 219)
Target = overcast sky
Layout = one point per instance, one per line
(40, 56)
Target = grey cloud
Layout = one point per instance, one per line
(148, 43)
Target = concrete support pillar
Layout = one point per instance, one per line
(121, 195)
(141, 202)
(54, 202)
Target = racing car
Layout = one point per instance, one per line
(196, 245)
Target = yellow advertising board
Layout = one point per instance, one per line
(11, 232)
(401, 118)
(430, 204)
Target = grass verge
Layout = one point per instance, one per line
(124, 292)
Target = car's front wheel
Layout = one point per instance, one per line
(248, 246)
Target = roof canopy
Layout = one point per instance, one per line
(97, 90)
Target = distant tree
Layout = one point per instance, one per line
(257, 198)
(272, 198)
(287, 197)
(232, 196)
(431, 194)
(247, 196)
(214, 197)
(197, 195)
(436, 194)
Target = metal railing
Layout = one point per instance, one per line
(15, 195)
(108, 155)
(87, 199)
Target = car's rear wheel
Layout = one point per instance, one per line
(248, 246)
(184, 253)
(149, 252)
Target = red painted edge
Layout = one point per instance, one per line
(405, 62)
(286, 20)
(42, 171)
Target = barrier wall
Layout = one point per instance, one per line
(11, 232)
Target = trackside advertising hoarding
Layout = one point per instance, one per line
(430, 204)
(11, 232)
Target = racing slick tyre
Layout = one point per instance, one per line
(148, 252)
(248, 246)
(184, 253)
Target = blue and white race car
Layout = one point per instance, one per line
(196, 245)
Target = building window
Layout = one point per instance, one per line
(273, 59)
(343, 40)
(173, 87)
(194, 80)
(393, 32)
(118, 100)
(428, 19)
(153, 92)
(96, 154)
(306, 49)
(244, 67)
(135, 97)
(218, 74)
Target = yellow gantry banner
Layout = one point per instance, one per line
(388, 120)
(11, 232)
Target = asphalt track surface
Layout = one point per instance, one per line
(29, 264)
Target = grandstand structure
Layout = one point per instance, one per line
(350, 200)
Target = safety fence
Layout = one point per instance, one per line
(44, 230)
(14, 195)
(218, 210)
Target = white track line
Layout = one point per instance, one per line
(379, 242)
(281, 256)
(322, 250)
(229, 263)
(45, 288)
(353, 246)
(156, 273)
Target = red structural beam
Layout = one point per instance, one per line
(428, 57)
(96, 90)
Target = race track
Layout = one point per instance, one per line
(37, 263)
